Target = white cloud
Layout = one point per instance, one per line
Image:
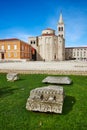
(15, 33)
(76, 30)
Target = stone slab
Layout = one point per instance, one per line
(12, 76)
(46, 99)
(57, 80)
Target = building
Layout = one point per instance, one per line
(14, 49)
(76, 53)
(49, 46)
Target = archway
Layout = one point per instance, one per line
(33, 53)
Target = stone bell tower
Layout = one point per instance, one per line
(61, 39)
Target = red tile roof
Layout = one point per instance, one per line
(12, 39)
(48, 34)
(9, 39)
(49, 29)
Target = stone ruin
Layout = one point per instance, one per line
(46, 99)
(57, 80)
(12, 76)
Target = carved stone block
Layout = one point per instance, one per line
(12, 76)
(57, 80)
(46, 99)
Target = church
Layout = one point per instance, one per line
(49, 46)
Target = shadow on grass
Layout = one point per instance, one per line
(46, 83)
(69, 102)
(6, 91)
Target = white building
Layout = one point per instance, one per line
(78, 53)
(49, 46)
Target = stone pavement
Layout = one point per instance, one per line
(61, 67)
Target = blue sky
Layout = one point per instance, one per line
(24, 18)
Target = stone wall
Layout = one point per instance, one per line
(53, 72)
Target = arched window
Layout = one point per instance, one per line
(59, 28)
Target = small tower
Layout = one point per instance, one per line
(60, 26)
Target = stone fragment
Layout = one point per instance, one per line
(12, 76)
(57, 80)
(46, 99)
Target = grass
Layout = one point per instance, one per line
(13, 98)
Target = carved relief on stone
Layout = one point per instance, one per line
(46, 99)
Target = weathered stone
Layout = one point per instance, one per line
(57, 80)
(46, 99)
(12, 76)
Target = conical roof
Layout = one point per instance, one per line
(61, 19)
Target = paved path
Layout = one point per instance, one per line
(63, 66)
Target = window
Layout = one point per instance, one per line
(15, 47)
(34, 42)
(8, 47)
(74, 54)
(77, 53)
(84, 53)
(81, 54)
(15, 54)
(2, 47)
(31, 42)
(9, 55)
(22, 47)
(59, 28)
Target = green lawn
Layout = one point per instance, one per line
(13, 98)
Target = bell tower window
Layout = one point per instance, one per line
(59, 28)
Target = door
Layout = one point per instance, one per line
(2, 55)
(33, 54)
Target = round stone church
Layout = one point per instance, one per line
(49, 46)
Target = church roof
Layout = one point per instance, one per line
(48, 34)
(49, 29)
